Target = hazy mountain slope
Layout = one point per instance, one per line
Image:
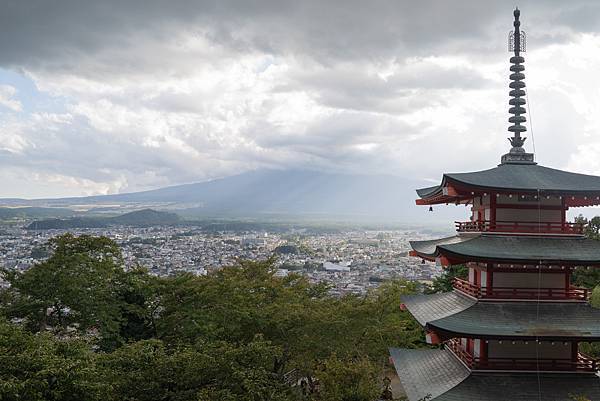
(33, 212)
(270, 192)
(139, 218)
(145, 217)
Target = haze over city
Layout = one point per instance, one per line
(113, 97)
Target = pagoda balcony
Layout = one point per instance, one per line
(520, 227)
(494, 293)
(583, 363)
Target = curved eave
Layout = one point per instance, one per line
(453, 315)
(427, 372)
(453, 258)
(578, 189)
(446, 334)
(437, 374)
(512, 249)
(427, 308)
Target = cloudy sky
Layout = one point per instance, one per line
(116, 96)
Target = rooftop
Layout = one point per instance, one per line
(516, 178)
(533, 249)
(439, 374)
(452, 314)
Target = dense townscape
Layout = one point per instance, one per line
(350, 260)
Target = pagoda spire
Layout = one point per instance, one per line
(516, 44)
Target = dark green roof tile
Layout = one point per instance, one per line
(520, 177)
(440, 374)
(456, 315)
(426, 308)
(427, 372)
(513, 248)
(524, 387)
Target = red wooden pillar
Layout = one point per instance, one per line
(483, 351)
(567, 281)
(478, 277)
(574, 354)
(471, 346)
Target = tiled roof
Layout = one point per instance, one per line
(524, 387)
(439, 374)
(512, 248)
(427, 372)
(458, 315)
(520, 177)
(436, 306)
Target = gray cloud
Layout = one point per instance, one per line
(163, 92)
(54, 34)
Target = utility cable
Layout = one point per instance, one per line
(537, 308)
(530, 123)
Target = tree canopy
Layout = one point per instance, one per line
(78, 326)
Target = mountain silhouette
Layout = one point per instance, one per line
(279, 192)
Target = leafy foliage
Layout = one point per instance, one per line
(40, 367)
(83, 328)
(583, 277)
(348, 380)
(81, 288)
(592, 226)
(444, 282)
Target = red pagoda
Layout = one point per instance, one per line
(511, 331)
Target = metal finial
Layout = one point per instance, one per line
(516, 44)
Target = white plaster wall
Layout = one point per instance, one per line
(477, 348)
(483, 279)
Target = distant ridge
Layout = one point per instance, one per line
(7, 213)
(277, 193)
(139, 218)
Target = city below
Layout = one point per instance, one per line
(349, 260)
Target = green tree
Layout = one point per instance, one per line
(139, 304)
(581, 276)
(301, 318)
(216, 371)
(238, 334)
(81, 288)
(444, 282)
(591, 227)
(595, 297)
(347, 379)
(42, 368)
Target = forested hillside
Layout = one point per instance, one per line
(79, 327)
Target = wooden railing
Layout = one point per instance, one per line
(575, 293)
(519, 227)
(583, 363)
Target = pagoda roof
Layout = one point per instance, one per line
(439, 374)
(512, 178)
(452, 315)
(427, 371)
(510, 248)
(427, 308)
